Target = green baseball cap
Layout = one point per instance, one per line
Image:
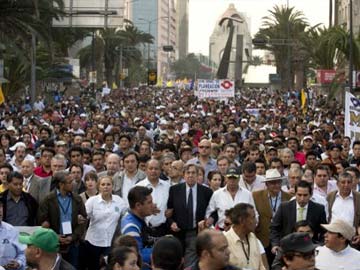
(45, 239)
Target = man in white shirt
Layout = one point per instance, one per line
(249, 180)
(160, 194)
(323, 185)
(344, 203)
(227, 197)
(337, 253)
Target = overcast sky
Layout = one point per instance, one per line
(205, 13)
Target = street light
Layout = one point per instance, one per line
(351, 47)
(150, 22)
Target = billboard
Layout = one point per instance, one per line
(325, 76)
(216, 89)
(92, 14)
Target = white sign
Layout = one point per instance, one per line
(216, 89)
(352, 116)
(92, 14)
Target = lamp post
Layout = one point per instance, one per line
(351, 83)
(149, 31)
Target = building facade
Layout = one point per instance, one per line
(182, 10)
(220, 35)
(343, 13)
(157, 17)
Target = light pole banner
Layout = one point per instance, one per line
(216, 89)
(352, 116)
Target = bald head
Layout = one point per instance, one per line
(112, 164)
(27, 168)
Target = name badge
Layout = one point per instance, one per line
(66, 227)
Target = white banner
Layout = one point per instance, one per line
(352, 116)
(216, 89)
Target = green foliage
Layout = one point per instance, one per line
(188, 67)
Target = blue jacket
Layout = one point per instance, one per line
(134, 226)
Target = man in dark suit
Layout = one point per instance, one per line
(302, 208)
(186, 207)
(31, 181)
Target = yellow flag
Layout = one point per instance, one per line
(2, 98)
(303, 100)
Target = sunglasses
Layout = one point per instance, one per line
(204, 147)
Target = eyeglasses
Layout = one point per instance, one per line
(206, 147)
(307, 255)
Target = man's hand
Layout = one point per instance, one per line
(201, 225)
(81, 220)
(65, 240)
(356, 240)
(12, 264)
(208, 222)
(45, 224)
(169, 213)
(174, 227)
(275, 249)
(155, 210)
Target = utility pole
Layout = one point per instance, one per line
(351, 83)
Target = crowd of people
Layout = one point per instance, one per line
(253, 182)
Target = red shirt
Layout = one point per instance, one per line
(39, 171)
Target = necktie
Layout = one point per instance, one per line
(301, 213)
(190, 210)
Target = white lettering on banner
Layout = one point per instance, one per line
(352, 116)
(215, 89)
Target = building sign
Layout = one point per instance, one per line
(216, 89)
(325, 76)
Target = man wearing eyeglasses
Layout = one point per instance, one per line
(204, 159)
(337, 254)
(298, 252)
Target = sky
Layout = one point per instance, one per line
(204, 14)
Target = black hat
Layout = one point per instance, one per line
(298, 242)
(233, 172)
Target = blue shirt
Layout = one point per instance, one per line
(65, 207)
(10, 248)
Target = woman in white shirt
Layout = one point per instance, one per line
(104, 211)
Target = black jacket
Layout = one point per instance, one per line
(30, 202)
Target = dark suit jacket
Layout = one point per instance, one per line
(262, 204)
(177, 202)
(356, 196)
(30, 203)
(285, 218)
(49, 211)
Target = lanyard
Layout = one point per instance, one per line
(273, 207)
(247, 254)
(65, 211)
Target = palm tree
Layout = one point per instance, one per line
(109, 43)
(282, 29)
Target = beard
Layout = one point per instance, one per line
(31, 266)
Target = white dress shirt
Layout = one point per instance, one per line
(343, 208)
(160, 195)
(346, 259)
(258, 184)
(104, 217)
(128, 184)
(331, 186)
(222, 200)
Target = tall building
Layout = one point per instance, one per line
(157, 17)
(343, 15)
(220, 35)
(182, 10)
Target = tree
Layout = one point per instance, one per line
(187, 67)
(109, 44)
(283, 28)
